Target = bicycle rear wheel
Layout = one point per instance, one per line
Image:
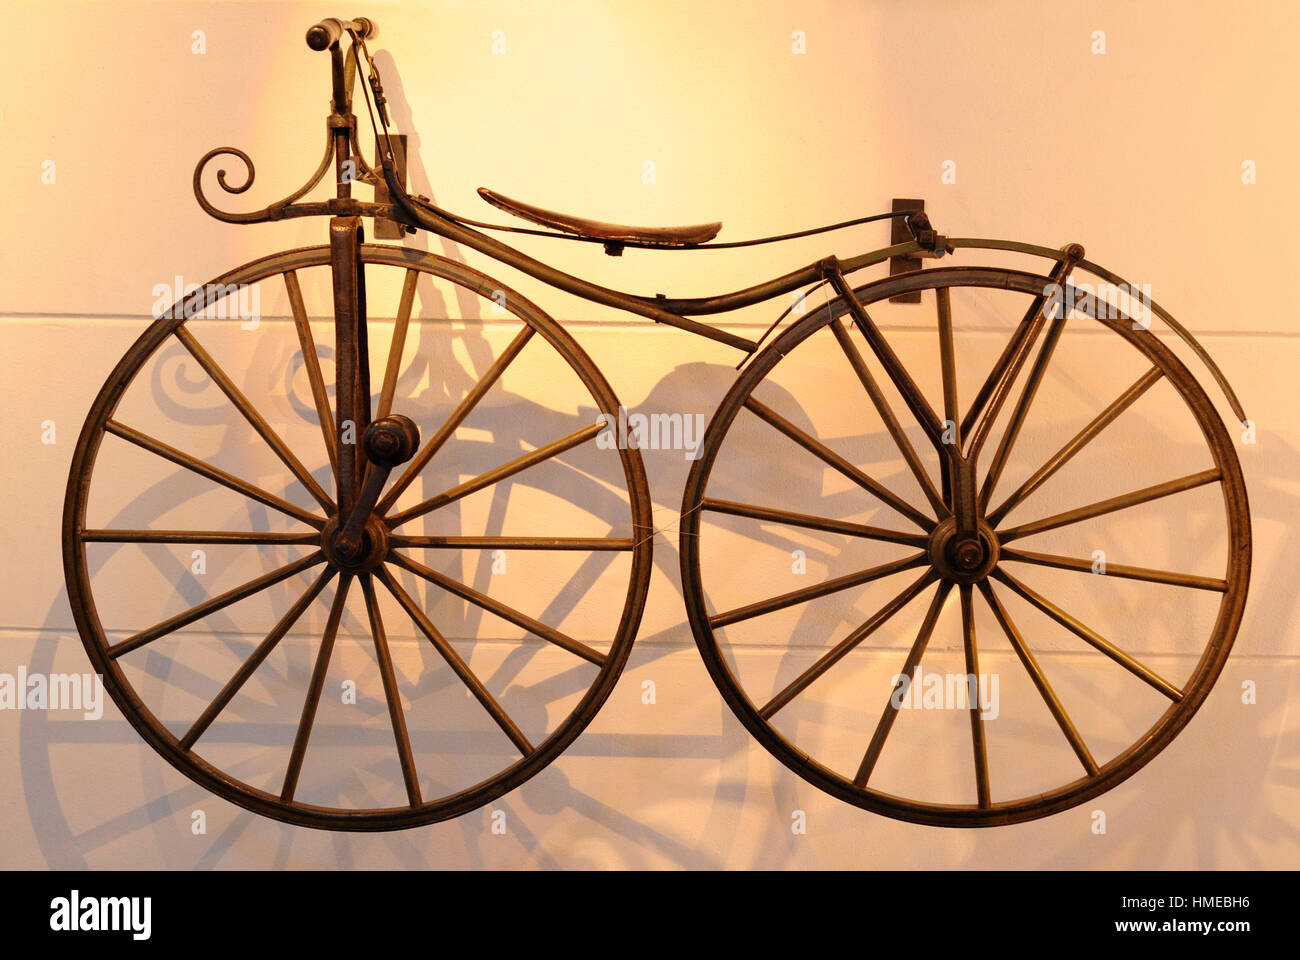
(824, 676)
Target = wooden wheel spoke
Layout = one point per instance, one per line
(903, 382)
(1021, 410)
(837, 653)
(255, 659)
(887, 416)
(812, 522)
(1118, 570)
(805, 594)
(914, 655)
(320, 397)
(212, 473)
(254, 418)
(833, 459)
(1035, 672)
(391, 693)
(1090, 636)
(466, 592)
(214, 604)
(978, 742)
(517, 465)
(1110, 505)
(397, 345)
(435, 442)
(197, 536)
(312, 700)
(458, 665)
(1079, 441)
(514, 543)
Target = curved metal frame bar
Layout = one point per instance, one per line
(676, 312)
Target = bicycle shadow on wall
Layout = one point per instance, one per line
(469, 456)
(677, 390)
(170, 394)
(428, 384)
(63, 848)
(1094, 688)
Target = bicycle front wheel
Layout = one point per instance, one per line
(488, 619)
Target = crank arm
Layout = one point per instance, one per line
(388, 443)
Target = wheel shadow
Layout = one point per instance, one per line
(690, 385)
(552, 793)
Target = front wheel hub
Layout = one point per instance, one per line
(373, 546)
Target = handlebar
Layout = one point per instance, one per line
(327, 33)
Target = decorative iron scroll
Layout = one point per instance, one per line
(281, 209)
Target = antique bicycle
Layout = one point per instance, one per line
(346, 526)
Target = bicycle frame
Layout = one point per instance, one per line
(343, 148)
(961, 544)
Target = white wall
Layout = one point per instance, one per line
(1137, 153)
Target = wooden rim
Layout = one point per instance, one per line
(175, 750)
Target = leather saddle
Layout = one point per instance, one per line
(614, 234)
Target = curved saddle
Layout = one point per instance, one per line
(611, 233)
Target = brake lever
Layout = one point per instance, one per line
(376, 87)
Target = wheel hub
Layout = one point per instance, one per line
(963, 559)
(374, 546)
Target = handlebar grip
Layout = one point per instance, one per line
(327, 33)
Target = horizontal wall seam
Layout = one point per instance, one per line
(669, 645)
(630, 324)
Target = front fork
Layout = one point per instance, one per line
(368, 451)
(351, 356)
(962, 542)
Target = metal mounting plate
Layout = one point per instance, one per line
(386, 229)
(899, 233)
